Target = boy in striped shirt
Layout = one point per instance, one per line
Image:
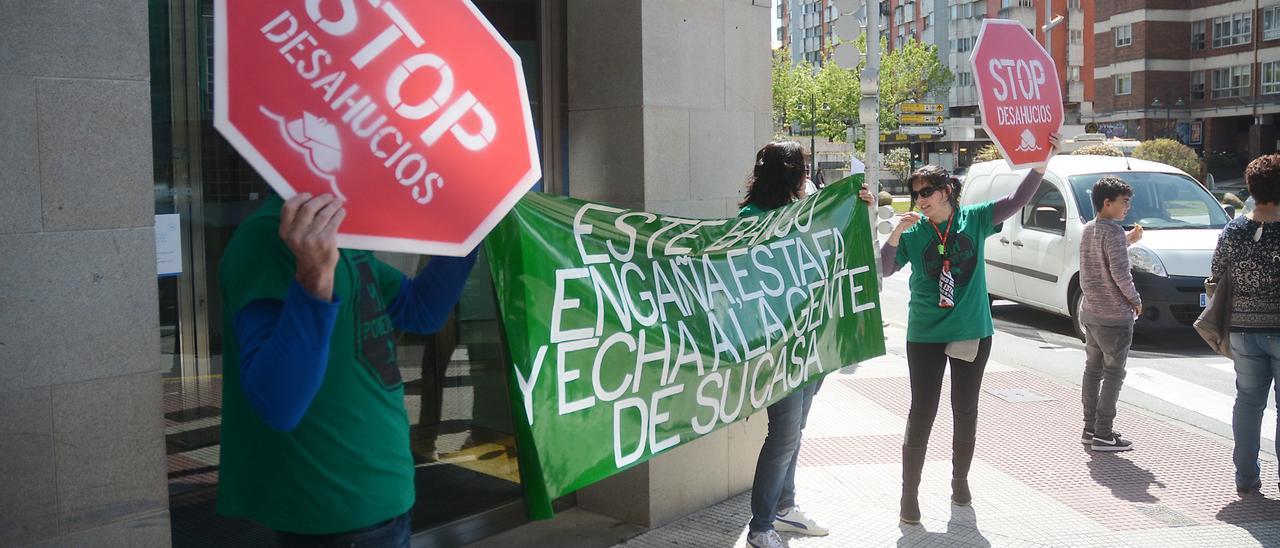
(1111, 304)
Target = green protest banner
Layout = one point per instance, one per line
(632, 333)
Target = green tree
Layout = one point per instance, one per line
(805, 106)
(829, 96)
(987, 154)
(898, 162)
(1168, 151)
(838, 94)
(786, 87)
(910, 73)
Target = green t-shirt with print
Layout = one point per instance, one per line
(971, 317)
(348, 464)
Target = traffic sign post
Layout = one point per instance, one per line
(919, 119)
(920, 108)
(1019, 94)
(921, 130)
(429, 141)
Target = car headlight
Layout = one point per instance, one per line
(1145, 260)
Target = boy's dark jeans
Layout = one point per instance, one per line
(393, 533)
(1106, 351)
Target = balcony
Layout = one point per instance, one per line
(1075, 54)
(1075, 19)
(1021, 14)
(963, 96)
(1075, 92)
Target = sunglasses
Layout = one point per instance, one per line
(924, 192)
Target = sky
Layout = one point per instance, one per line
(774, 23)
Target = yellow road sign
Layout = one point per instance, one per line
(920, 119)
(920, 108)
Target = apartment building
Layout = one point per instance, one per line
(806, 28)
(1204, 71)
(953, 25)
(1073, 56)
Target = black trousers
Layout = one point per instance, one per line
(927, 362)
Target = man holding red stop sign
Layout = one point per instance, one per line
(1019, 93)
(382, 125)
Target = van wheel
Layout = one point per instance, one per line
(1077, 325)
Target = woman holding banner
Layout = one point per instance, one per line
(949, 315)
(779, 178)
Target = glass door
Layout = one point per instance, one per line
(456, 395)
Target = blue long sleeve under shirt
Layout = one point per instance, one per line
(284, 345)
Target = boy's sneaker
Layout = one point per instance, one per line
(767, 539)
(1086, 437)
(794, 521)
(1111, 443)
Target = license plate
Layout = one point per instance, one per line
(1204, 300)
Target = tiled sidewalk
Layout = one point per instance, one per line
(1034, 484)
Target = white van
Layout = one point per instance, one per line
(1034, 259)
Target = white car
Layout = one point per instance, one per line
(1034, 259)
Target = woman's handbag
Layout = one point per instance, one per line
(1214, 323)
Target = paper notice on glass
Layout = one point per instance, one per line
(168, 245)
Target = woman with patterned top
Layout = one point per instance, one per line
(1249, 251)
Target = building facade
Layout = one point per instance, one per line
(110, 368)
(805, 26)
(1204, 71)
(953, 26)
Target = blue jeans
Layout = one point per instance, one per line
(1257, 357)
(393, 533)
(774, 487)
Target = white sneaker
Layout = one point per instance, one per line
(767, 539)
(794, 521)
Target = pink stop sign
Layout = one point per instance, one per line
(1019, 94)
(414, 112)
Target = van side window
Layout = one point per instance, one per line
(1047, 211)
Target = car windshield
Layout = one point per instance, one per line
(1160, 200)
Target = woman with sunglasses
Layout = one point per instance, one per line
(949, 315)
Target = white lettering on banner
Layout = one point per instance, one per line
(562, 303)
(660, 417)
(1022, 79)
(610, 395)
(310, 59)
(623, 334)
(565, 375)
(620, 460)
(527, 384)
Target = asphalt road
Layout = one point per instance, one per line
(1171, 374)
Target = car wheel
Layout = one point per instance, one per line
(1077, 325)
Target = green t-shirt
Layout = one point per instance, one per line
(971, 317)
(750, 209)
(347, 465)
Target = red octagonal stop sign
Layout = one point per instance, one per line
(1018, 92)
(415, 112)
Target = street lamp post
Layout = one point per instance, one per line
(813, 137)
(1155, 106)
(1179, 104)
(1048, 29)
(1168, 114)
